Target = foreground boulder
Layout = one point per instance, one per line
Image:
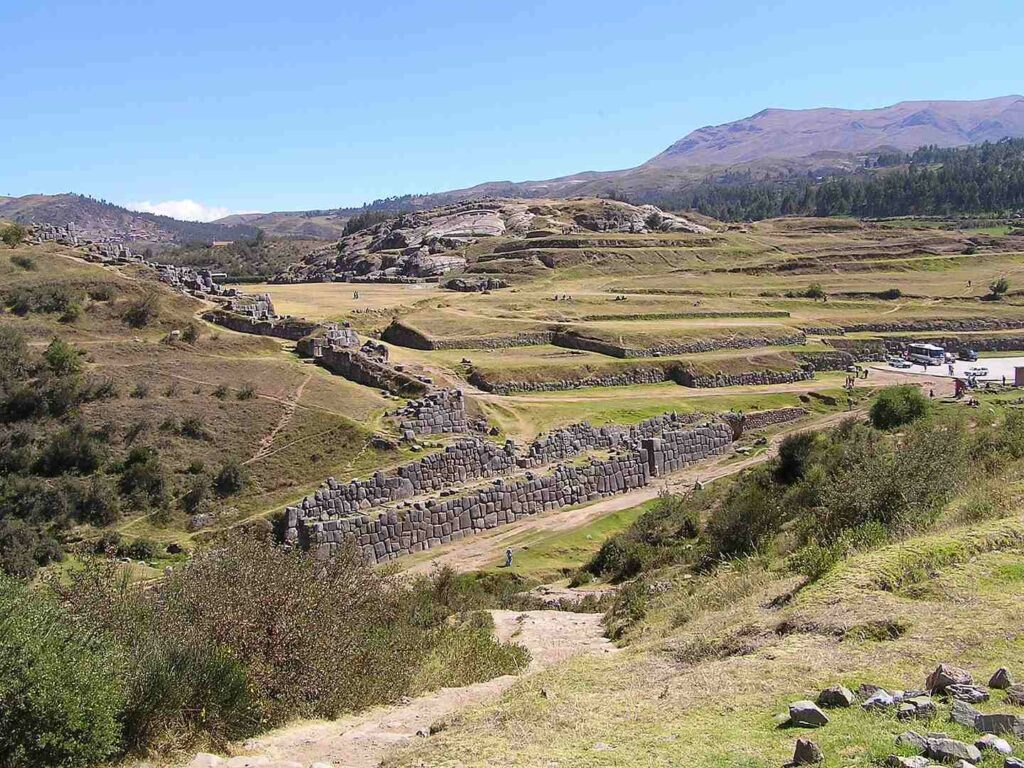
(836, 697)
(806, 714)
(898, 761)
(951, 750)
(1015, 694)
(991, 742)
(946, 675)
(807, 753)
(1001, 679)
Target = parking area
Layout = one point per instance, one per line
(997, 368)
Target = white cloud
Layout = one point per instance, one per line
(185, 210)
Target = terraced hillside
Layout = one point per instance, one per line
(714, 306)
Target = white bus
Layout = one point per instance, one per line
(926, 354)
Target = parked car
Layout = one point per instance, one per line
(899, 362)
(969, 355)
(977, 371)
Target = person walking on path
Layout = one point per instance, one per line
(508, 557)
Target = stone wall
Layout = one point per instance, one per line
(573, 340)
(438, 412)
(392, 533)
(1007, 343)
(641, 375)
(748, 422)
(689, 378)
(964, 324)
(403, 336)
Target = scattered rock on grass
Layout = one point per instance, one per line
(1001, 680)
(1013, 762)
(1015, 694)
(807, 753)
(912, 740)
(806, 714)
(917, 706)
(880, 699)
(992, 742)
(951, 750)
(946, 675)
(963, 713)
(898, 761)
(836, 697)
(1000, 723)
(973, 694)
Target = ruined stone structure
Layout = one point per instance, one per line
(470, 285)
(52, 233)
(253, 306)
(201, 282)
(335, 516)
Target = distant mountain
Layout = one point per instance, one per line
(792, 133)
(99, 220)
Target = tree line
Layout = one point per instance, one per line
(932, 181)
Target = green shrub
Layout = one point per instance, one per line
(899, 405)
(13, 234)
(221, 392)
(747, 519)
(999, 287)
(23, 548)
(231, 478)
(25, 262)
(60, 690)
(143, 476)
(794, 454)
(246, 392)
(890, 294)
(71, 449)
(190, 334)
(140, 312)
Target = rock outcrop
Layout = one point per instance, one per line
(425, 245)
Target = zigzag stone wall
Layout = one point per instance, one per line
(329, 519)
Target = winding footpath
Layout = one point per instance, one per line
(364, 739)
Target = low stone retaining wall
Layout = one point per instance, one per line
(402, 335)
(290, 329)
(763, 419)
(965, 324)
(395, 533)
(689, 378)
(573, 340)
(644, 375)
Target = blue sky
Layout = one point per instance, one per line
(281, 106)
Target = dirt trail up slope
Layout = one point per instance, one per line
(362, 741)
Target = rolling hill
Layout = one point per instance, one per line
(99, 220)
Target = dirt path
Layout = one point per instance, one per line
(267, 442)
(363, 740)
(485, 549)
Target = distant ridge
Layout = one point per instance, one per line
(99, 220)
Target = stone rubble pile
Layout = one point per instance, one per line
(946, 683)
(254, 307)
